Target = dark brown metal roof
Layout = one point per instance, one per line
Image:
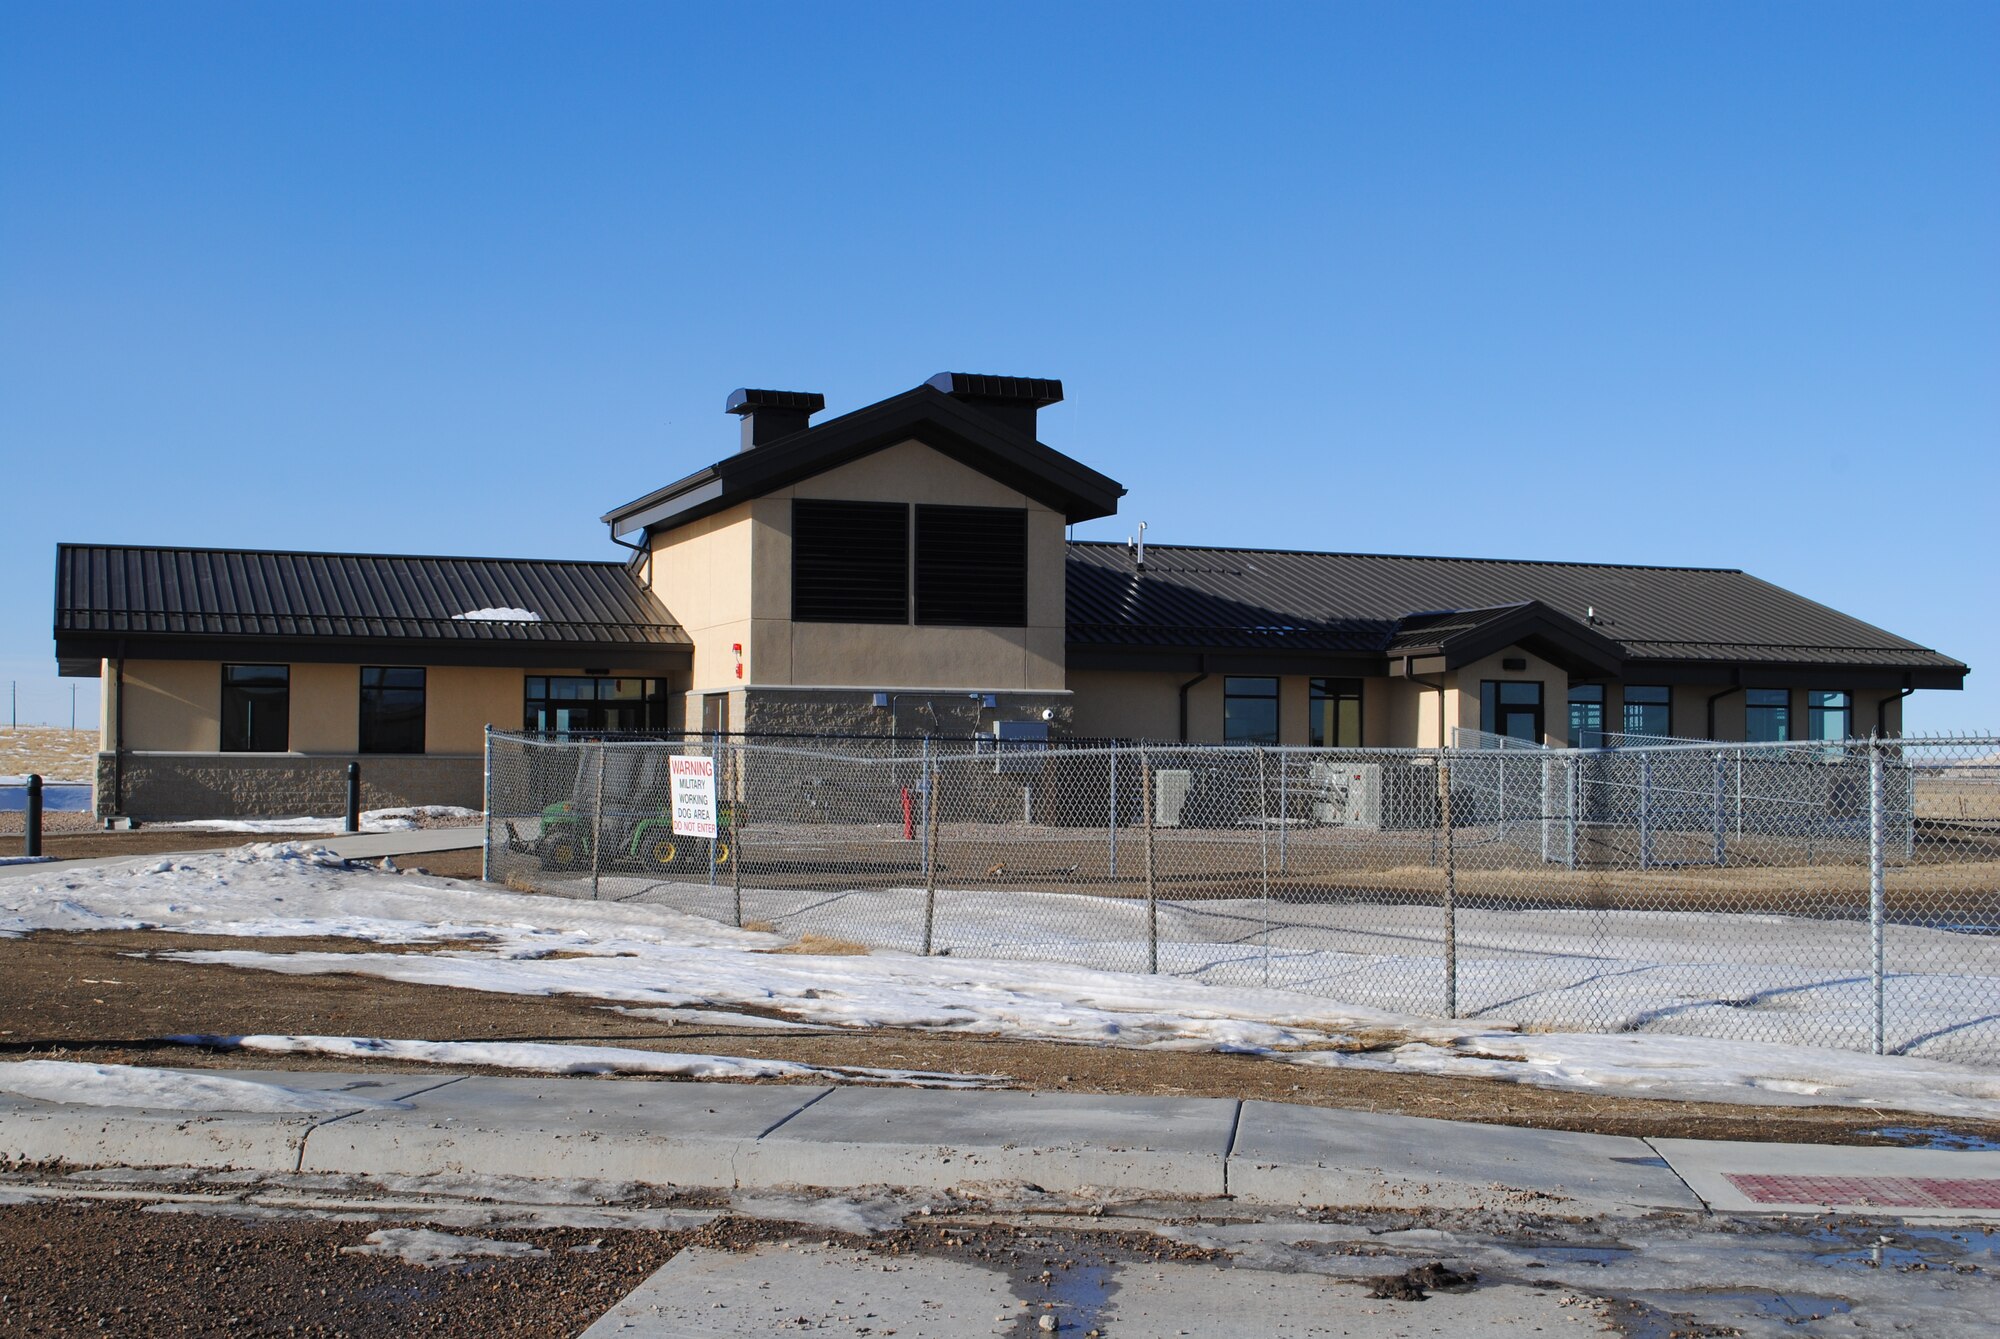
(108, 591)
(1288, 600)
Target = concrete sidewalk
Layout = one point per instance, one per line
(836, 1138)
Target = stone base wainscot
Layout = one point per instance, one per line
(158, 786)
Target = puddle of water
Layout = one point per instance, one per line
(1786, 1306)
(1908, 1248)
(1582, 1255)
(1916, 1136)
(1079, 1293)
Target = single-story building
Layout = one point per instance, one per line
(904, 568)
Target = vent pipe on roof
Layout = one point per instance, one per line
(1012, 400)
(769, 415)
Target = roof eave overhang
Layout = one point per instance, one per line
(79, 656)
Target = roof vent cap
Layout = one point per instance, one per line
(769, 415)
(1012, 400)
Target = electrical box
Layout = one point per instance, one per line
(1018, 746)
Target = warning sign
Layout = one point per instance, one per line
(694, 796)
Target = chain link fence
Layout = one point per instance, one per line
(1832, 893)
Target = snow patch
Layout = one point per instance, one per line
(168, 1090)
(430, 1250)
(498, 616)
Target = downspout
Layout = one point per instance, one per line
(1203, 662)
(1714, 698)
(1882, 709)
(641, 549)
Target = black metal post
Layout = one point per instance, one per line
(353, 797)
(31, 840)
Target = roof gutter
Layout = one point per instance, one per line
(639, 550)
(1882, 707)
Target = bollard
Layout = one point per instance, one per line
(31, 838)
(353, 797)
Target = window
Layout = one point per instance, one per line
(1767, 715)
(573, 705)
(1649, 711)
(850, 562)
(256, 708)
(1586, 715)
(1513, 708)
(1333, 714)
(972, 567)
(1249, 710)
(1829, 716)
(392, 709)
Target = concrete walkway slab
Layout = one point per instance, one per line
(1058, 1141)
(684, 1134)
(1922, 1183)
(375, 845)
(708, 1294)
(101, 1136)
(1323, 1156)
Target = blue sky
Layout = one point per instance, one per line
(1702, 284)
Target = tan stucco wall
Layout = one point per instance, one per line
(326, 708)
(703, 573)
(173, 705)
(728, 581)
(1462, 692)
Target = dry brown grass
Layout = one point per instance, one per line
(820, 946)
(50, 751)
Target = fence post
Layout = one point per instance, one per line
(1645, 810)
(31, 830)
(1284, 823)
(353, 822)
(715, 768)
(1572, 801)
(597, 826)
(931, 774)
(1264, 829)
(1721, 812)
(1450, 890)
(486, 800)
(736, 789)
(1114, 809)
(1548, 818)
(924, 789)
(1152, 898)
(1876, 890)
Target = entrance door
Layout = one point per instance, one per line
(1513, 708)
(715, 714)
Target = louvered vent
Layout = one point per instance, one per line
(972, 566)
(850, 562)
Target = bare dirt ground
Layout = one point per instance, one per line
(97, 997)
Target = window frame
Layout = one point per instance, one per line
(1576, 732)
(1816, 711)
(1323, 690)
(362, 742)
(1626, 704)
(1783, 708)
(651, 704)
(248, 741)
(1230, 693)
